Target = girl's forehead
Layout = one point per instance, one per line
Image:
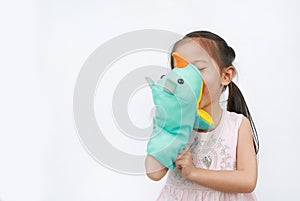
(191, 50)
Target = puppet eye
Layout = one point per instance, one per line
(162, 76)
(180, 81)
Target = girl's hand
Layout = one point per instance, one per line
(184, 162)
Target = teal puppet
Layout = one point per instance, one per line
(176, 97)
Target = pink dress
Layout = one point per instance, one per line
(214, 150)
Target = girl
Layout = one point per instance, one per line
(217, 164)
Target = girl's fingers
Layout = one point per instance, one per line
(179, 156)
(182, 158)
(184, 149)
(182, 152)
(178, 164)
(181, 163)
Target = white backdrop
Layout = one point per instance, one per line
(44, 45)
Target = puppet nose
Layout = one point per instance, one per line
(170, 86)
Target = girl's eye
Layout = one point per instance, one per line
(162, 76)
(180, 81)
(202, 68)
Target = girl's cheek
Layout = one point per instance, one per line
(206, 91)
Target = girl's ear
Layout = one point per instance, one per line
(227, 75)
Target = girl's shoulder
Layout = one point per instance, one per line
(235, 114)
(234, 119)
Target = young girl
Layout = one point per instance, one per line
(218, 164)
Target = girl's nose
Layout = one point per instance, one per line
(170, 86)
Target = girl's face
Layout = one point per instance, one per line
(210, 71)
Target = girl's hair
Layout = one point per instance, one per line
(223, 55)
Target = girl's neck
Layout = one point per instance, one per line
(216, 113)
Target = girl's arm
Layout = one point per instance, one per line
(241, 180)
(154, 169)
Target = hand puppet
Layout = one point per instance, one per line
(176, 97)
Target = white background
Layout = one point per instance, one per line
(44, 44)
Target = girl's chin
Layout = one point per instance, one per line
(203, 105)
(206, 106)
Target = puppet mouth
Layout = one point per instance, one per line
(170, 86)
